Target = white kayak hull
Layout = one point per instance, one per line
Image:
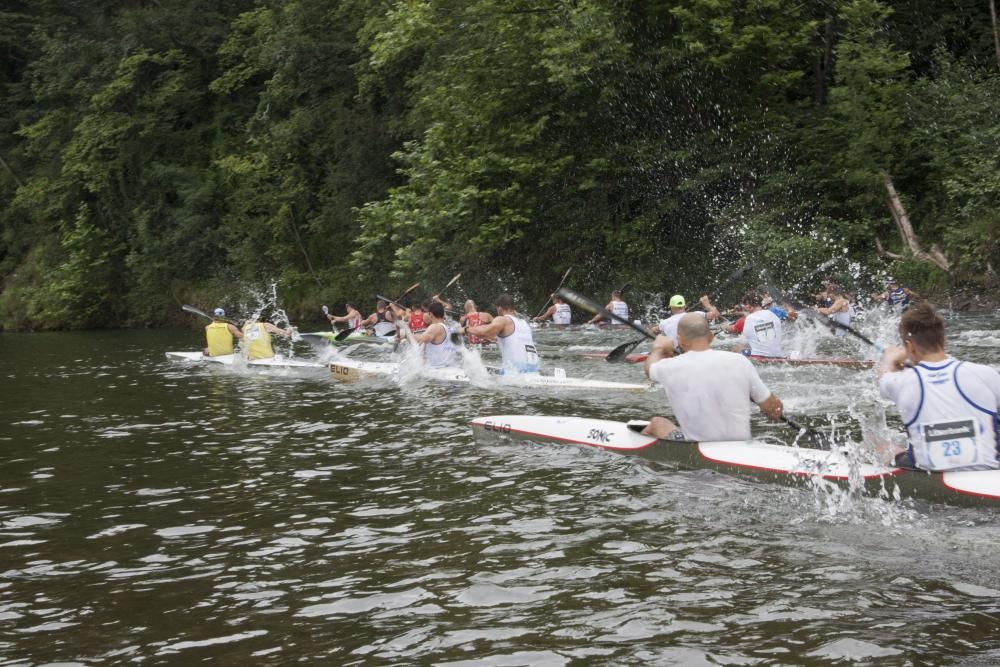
(276, 361)
(350, 370)
(753, 458)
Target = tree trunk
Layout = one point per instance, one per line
(11, 171)
(996, 31)
(905, 227)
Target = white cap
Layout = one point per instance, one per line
(219, 312)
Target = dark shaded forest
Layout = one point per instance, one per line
(157, 152)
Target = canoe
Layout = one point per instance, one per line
(351, 370)
(352, 339)
(753, 459)
(857, 364)
(277, 361)
(600, 326)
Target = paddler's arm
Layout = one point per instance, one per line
(547, 314)
(769, 404)
(893, 360)
(490, 330)
(711, 312)
(772, 407)
(270, 328)
(663, 348)
(432, 334)
(234, 331)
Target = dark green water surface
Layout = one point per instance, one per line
(158, 512)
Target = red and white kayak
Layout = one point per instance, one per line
(746, 458)
(857, 364)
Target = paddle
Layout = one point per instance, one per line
(817, 439)
(553, 292)
(619, 354)
(833, 324)
(198, 311)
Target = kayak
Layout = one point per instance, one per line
(599, 326)
(753, 458)
(277, 361)
(350, 370)
(857, 364)
(351, 339)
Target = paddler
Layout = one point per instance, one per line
(709, 390)
(761, 328)
(512, 334)
(559, 312)
(219, 335)
(439, 351)
(382, 321)
(949, 407)
(616, 306)
(678, 308)
(473, 318)
(257, 338)
(840, 309)
(352, 318)
(415, 318)
(896, 296)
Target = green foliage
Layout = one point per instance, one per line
(157, 153)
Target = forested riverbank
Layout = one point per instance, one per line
(168, 151)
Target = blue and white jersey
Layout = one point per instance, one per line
(949, 409)
(843, 317)
(898, 297)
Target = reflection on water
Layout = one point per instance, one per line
(159, 511)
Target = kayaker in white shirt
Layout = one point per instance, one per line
(709, 390)
(949, 407)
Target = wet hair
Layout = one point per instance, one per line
(556, 297)
(349, 305)
(616, 293)
(381, 304)
(436, 309)
(752, 299)
(922, 325)
(417, 306)
(505, 301)
(693, 326)
(835, 289)
(470, 306)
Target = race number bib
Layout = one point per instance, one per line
(951, 444)
(531, 354)
(253, 334)
(764, 331)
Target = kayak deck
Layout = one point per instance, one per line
(350, 370)
(276, 361)
(754, 459)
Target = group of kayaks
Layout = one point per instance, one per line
(754, 458)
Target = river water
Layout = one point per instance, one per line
(160, 512)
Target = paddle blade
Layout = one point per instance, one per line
(584, 303)
(344, 334)
(810, 436)
(617, 355)
(408, 290)
(450, 283)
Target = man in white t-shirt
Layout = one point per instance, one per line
(678, 307)
(949, 407)
(709, 390)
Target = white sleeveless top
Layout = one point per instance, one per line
(762, 329)
(949, 410)
(620, 308)
(518, 349)
(563, 314)
(844, 318)
(384, 326)
(439, 355)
